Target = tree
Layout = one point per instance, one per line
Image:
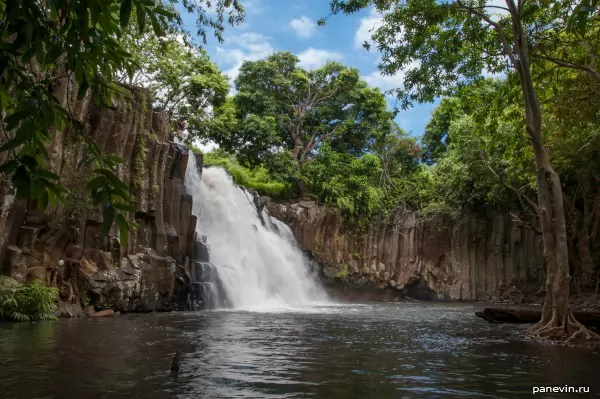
(46, 46)
(451, 43)
(182, 79)
(435, 140)
(573, 39)
(283, 107)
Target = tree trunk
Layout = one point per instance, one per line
(556, 321)
(298, 155)
(301, 187)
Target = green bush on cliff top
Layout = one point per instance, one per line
(257, 178)
(26, 302)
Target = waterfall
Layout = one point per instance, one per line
(257, 262)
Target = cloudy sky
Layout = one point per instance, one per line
(272, 26)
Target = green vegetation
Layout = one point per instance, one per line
(527, 142)
(343, 273)
(44, 43)
(26, 302)
(257, 178)
(443, 48)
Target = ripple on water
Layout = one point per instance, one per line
(350, 351)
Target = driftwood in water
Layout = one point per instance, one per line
(507, 315)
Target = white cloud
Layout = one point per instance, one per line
(304, 27)
(248, 46)
(367, 27)
(376, 79)
(312, 58)
(388, 82)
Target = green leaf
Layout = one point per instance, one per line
(48, 175)
(36, 188)
(53, 197)
(14, 143)
(123, 230)
(114, 158)
(98, 181)
(125, 14)
(141, 18)
(12, 121)
(20, 182)
(42, 200)
(162, 11)
(108, 217)
(156, 26)
(95, 13)
(9, 166)
(83, 87)
(124, 207)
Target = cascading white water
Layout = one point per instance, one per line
(259, 266)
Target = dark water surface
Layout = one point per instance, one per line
(354, 351)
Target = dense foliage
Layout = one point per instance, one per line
(26, 302)
(527, 142)
(257, 178)
(284, 111)
(443, 47)
(180, 77)
(54, 51)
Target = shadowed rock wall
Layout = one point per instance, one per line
(464, 260)
(64, 246)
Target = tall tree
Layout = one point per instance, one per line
(182, 79)
(281, 106)
(435, 139)
(451, 43)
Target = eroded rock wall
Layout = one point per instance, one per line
(64, 245)
(468, 259)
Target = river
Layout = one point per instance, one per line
(376, 350)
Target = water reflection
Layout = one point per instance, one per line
(363, 351)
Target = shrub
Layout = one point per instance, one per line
(257, 178)
(26, 302)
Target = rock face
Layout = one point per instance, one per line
(468, 259)
(64, 246)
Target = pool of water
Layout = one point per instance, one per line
(400, 350)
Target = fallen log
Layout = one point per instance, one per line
(508, 315)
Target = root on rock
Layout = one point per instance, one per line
(570, 331)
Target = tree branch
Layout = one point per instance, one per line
(501, 33)
(518, 192)
(567, 64)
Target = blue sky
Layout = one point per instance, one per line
(272, 26)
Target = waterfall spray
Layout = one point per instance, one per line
(258, 263)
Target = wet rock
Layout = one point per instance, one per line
(18, 264)
(463, 259)
(147, 274)
(103, 313)
(66, 309)
(330, 272)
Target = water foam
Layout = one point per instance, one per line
(259, 265)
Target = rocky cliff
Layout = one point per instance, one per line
(467, 259)
(64, 246)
